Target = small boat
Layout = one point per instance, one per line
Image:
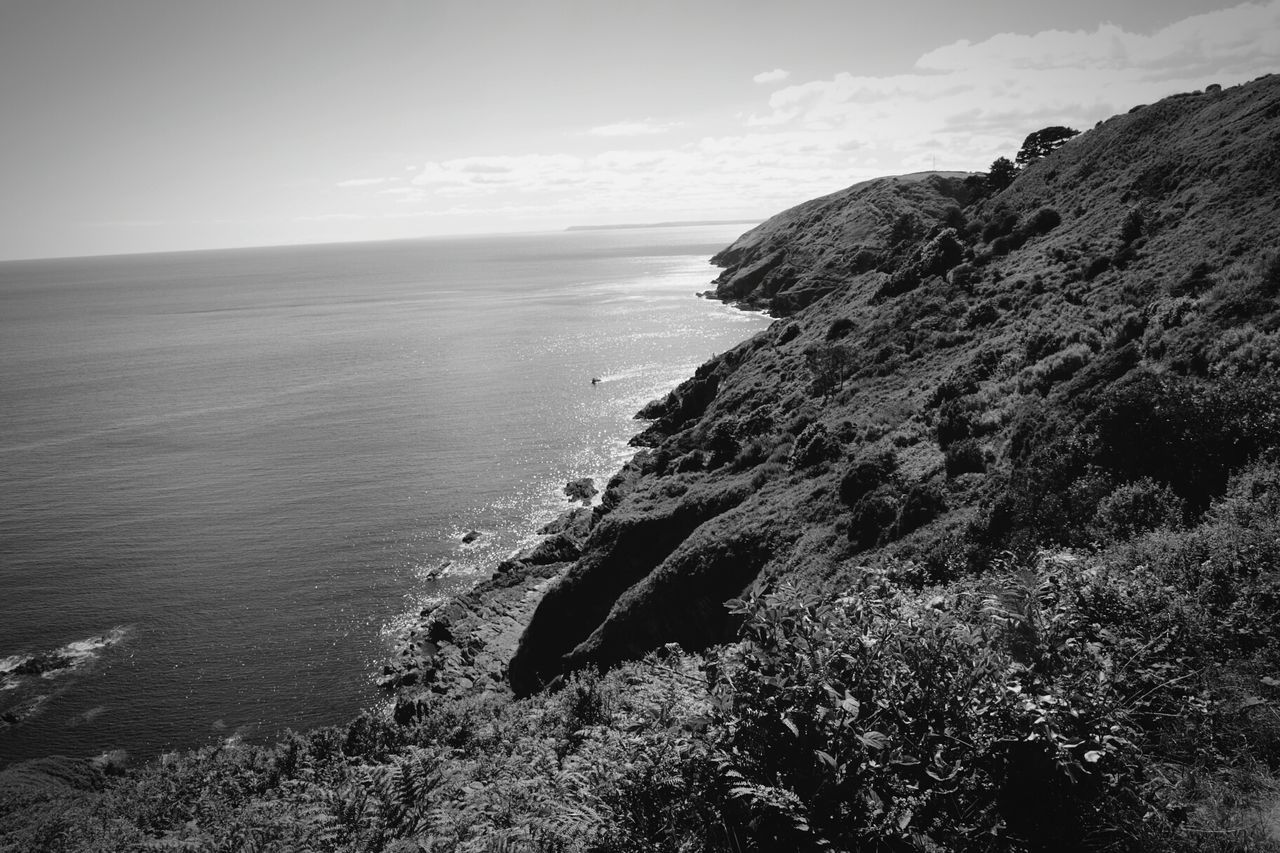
(595, 380)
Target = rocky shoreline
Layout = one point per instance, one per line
(462, 646)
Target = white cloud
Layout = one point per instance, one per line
(777, 75)
(967, 102)
(958, 108)
(331, 217)
(362, 182)
(648, 127)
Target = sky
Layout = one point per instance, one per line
(157, 125)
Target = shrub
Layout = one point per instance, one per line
(965, 457)
(1131, 228)
(1135, 508)
(830, 365)
(751, 453)
(1041, 222)
(1195, 282)
(964, 276)
(954, 423)
(813, 446)
(982, 314)
(999, 226)
(1007, 243)
(695, 460)
(839, 328)
(922, 504)
(872, 517)
(1055, 368)
(722, 442)
(875, 721)
(1097, 267)
(866, 473)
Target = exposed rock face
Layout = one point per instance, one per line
(623, 549)
(942, 335)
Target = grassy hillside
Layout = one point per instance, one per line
(974, 548)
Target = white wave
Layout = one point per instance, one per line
(62, 659)
(83, 651)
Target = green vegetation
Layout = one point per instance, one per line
(1117, 700)
(1043, 143)
(976, 550)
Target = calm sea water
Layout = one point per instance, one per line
(225, 476)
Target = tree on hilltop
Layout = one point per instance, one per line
(1001, 174)
(1043, 142)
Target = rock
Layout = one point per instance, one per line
(112, 763)
(560, 548)
(42, 663)
(575, 522)
(471, 536)
(582, 489)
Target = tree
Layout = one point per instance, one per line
(1044, 142)
(831, 365)
(1001, 174)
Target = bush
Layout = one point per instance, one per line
(982, 314)
(954, 423)
(964, 276)
(839, 328)
(1097, 267)
(875, 721)
(1135, 508)
(830, 365)
(872, 517)
(999, 226)
(965, 457)
(922, 504)
(1131, 228)
(813, 446)
(866, 473)
(1041, 222)
(721, 442)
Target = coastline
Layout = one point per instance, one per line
(461, 646)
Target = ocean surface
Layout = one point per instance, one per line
(226, 477)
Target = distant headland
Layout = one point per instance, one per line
(679, 224)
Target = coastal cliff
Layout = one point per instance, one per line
(957, 345)
(974, 547)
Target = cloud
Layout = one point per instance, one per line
(362, 182)
(957, 108)
(648, 127)
(777, 75)
(967, 102)
(331, 217)
(1247, 35)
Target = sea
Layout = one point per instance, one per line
(229, 480)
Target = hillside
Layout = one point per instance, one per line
(1134, 265)
(974, 548)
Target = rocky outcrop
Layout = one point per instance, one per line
(463, 646)
(623, 549)
(582, 489)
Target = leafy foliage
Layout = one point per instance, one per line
(1043, 142)
(1001, 174)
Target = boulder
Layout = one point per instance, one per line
(582, 489)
